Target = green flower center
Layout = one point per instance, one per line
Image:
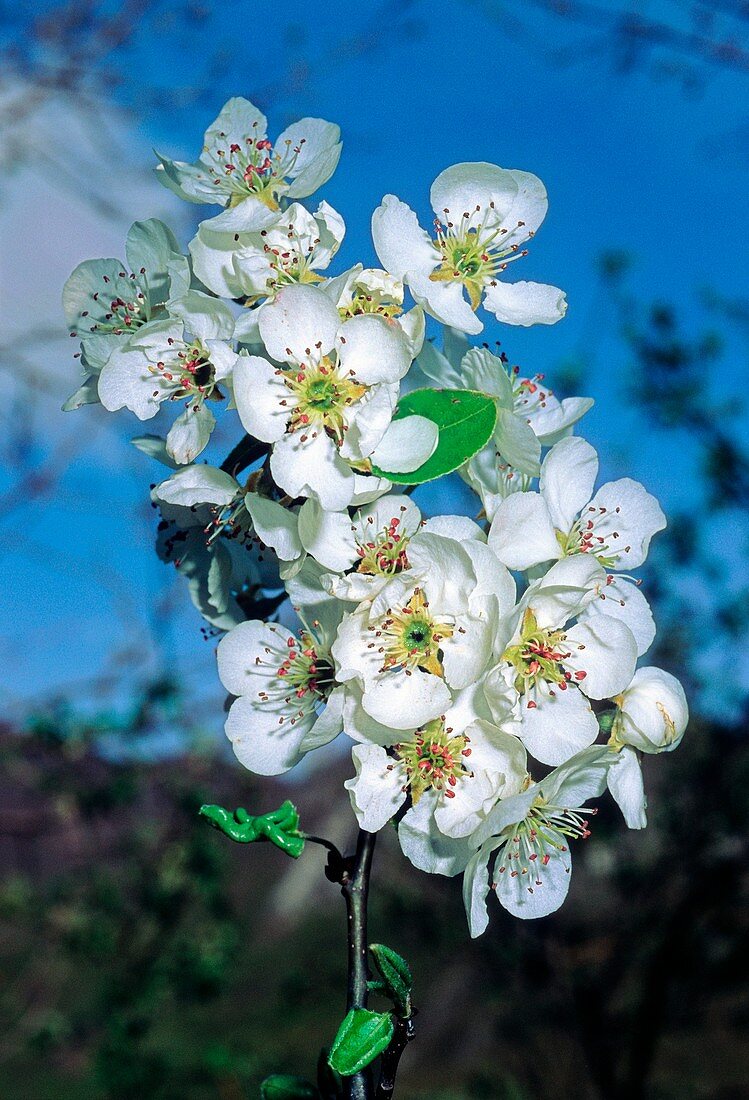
(539, 656)
(322, 396)
(434, 760)
(410, 638)
(473, 254)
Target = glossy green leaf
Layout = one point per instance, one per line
(396, 977)
(361, 1037)
(466, 420)
(284, 1086)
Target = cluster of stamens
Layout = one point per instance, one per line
(187, 371)
(303, 677)
(385, 554)
(369, 301)
(321, 396)
(434, 760)
(539, 657)
(122, 312)
(593, 533)
(474, 254)
(251, 167)
(540, 836)
(409, 638)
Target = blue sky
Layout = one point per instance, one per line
(629, 161)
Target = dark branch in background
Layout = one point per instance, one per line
(711, 33)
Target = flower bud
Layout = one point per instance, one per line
(652, 712)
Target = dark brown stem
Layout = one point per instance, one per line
(404, 1033)
(355, 888)
(247, 451)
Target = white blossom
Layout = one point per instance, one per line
(256, 265)
(328, 408)
(615, 527)
(556, 667)
(240, 169)
(483, 216)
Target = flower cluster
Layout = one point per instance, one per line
(482, 671)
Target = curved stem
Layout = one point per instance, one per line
(355, 890)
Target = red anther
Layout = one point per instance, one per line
(546, 859)
(580, 675)
(532, 705)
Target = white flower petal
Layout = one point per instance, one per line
(525, 303)
(327, 536)
(300, 325)
(400, 243)
(406, 445)
(275, 525)
(476, 889)
(527, 890)
(405, 702)
(261, 742)
(197, 485)
(620, 598)
(377, 792)
(259, 390)
(522, 533)
(559, 726)
(626, 516)
(426, 848)
(568, 475)
(603, 655)
(312, 467)
(627, 790)
(517, 443)
(190, 432)
(485, 192)
(237, 652)
(374, 348)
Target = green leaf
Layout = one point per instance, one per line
(396, 976)
(466, 420)
(361, 1037)
(283, 1086)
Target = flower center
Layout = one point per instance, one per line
(411, 638)
(322, 396)
(595, 532)
(304, 671)
(252, 166)
(188, 371)
(385, 554)
(472, 250)
(122, 308)
(544, 832)
(539, 656)
(371, 301)
(434, 760)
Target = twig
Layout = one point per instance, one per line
(404, 1033)
(355, 888)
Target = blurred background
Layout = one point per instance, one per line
(141, 955)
